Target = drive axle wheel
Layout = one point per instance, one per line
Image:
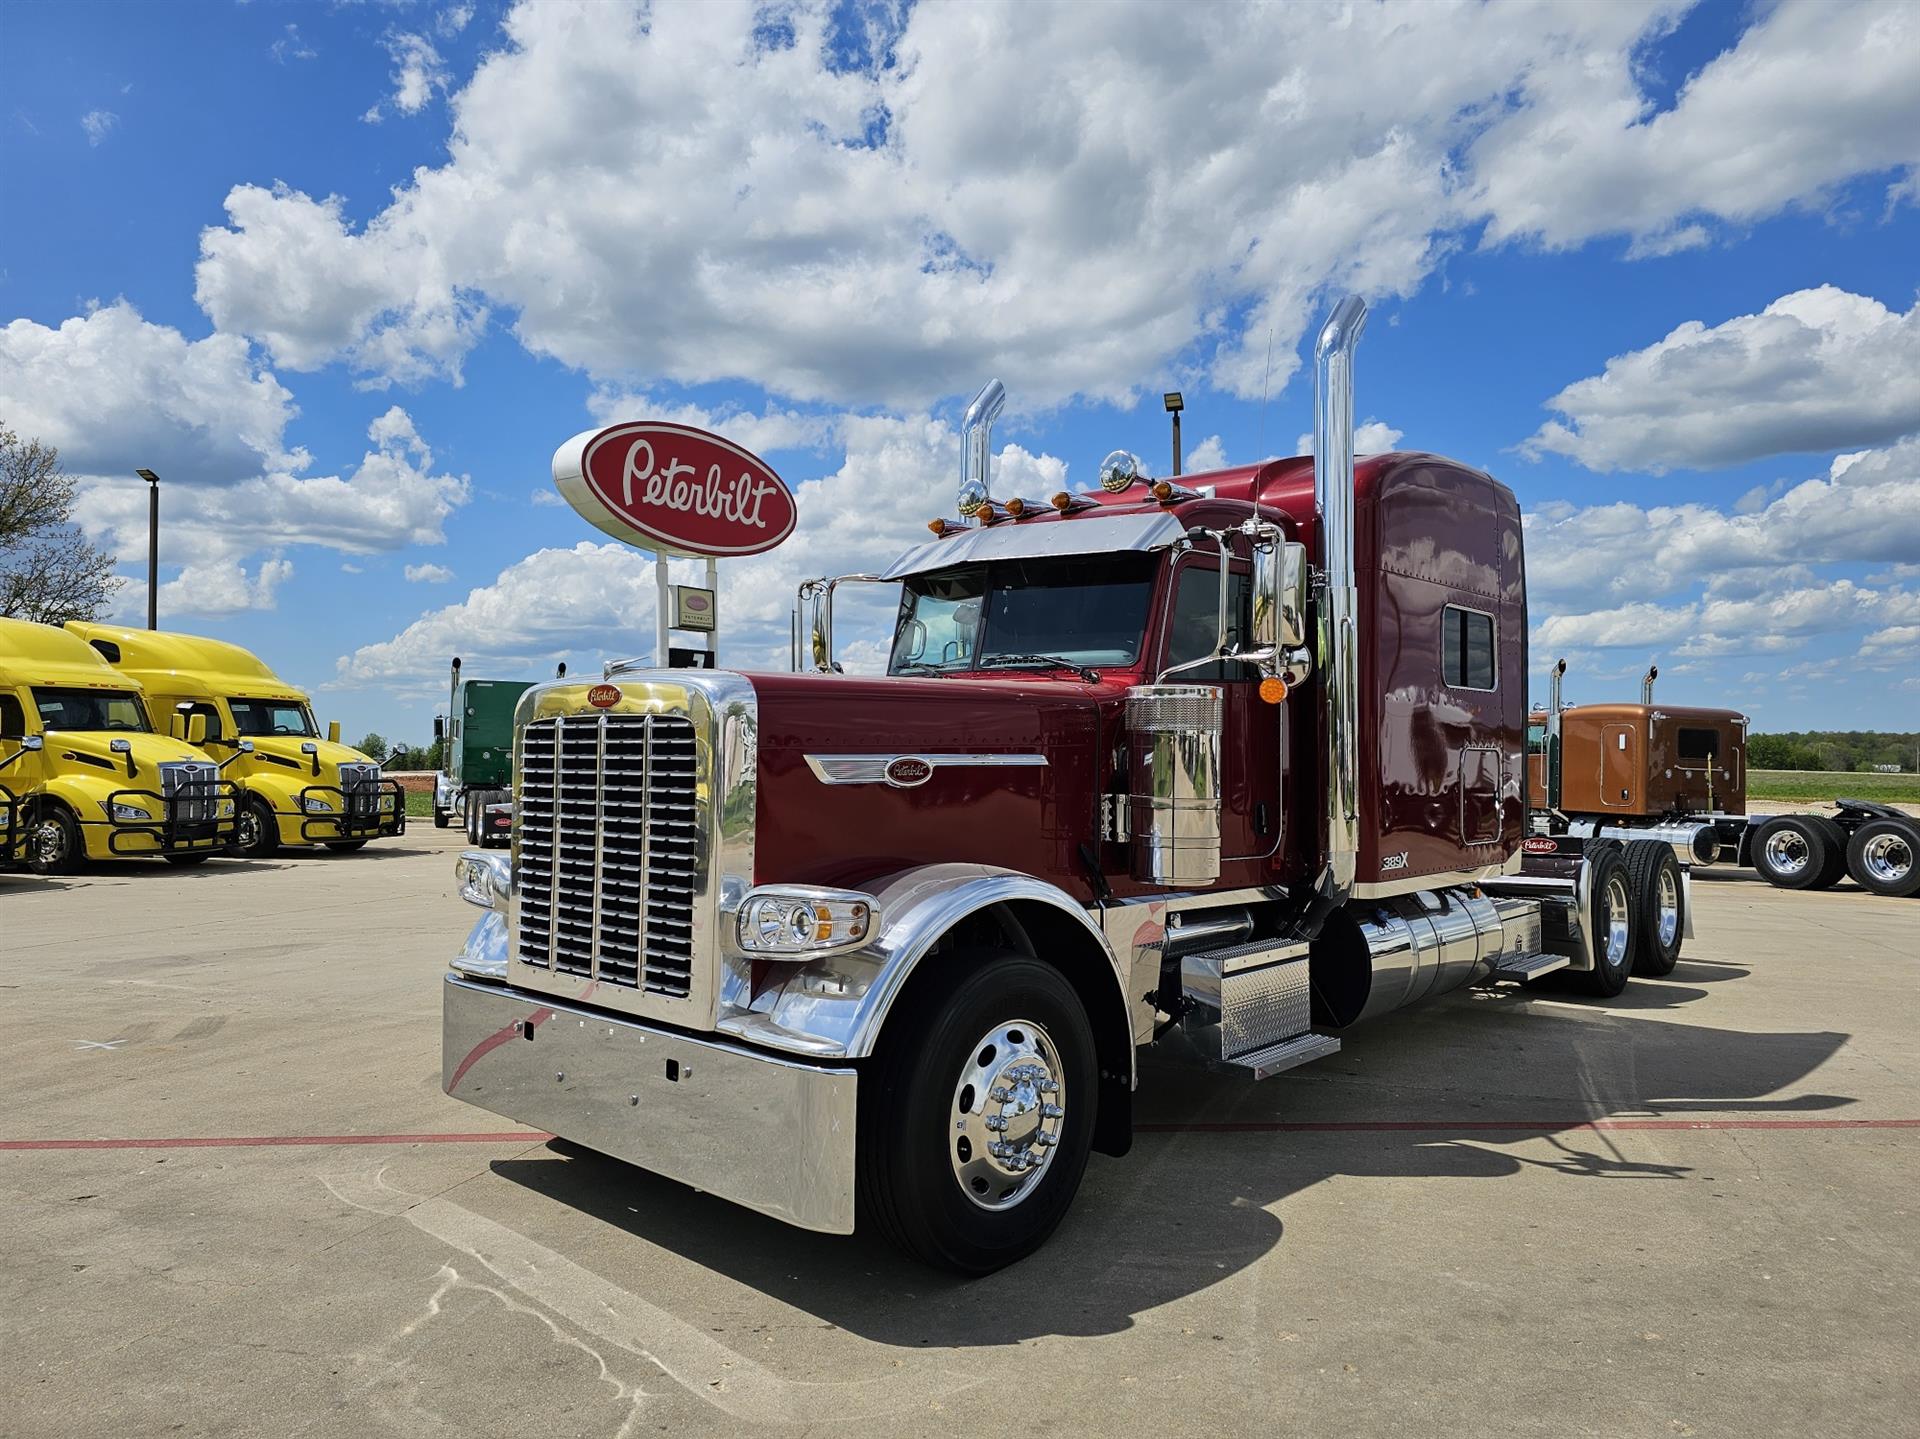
(1659, 906)
(1610, 915)
(977, 1117)
(1791, 852)
(1884, 856)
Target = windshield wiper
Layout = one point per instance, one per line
(1052, 662)
(920, 667)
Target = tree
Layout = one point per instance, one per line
(374, 746)
(48, 570)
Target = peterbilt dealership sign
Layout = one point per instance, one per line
(673, 489)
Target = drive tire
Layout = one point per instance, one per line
(186, 861)
(1611, 919)
(946, 1048)
(53, 843)
(1884, 856)
(1790, 851)
(257, 833)
(1835, 868)
(345, 846)
(1659, 907)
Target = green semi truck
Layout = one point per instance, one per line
(476, 758)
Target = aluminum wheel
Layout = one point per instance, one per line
(1787, 851)
(1667, 904)
(1887, 857)
(1619, 926)
(1008, 1108)
(49, 843)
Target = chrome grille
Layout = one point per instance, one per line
(609, 849)
(189, 787)
(360, 786)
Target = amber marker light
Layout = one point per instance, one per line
(1273, 689)
(1015, 507)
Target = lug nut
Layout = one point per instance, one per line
(1051, 1111)
(996, 1122)
(999, 1092)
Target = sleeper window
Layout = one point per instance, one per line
(1699, 743)
(1466, 637)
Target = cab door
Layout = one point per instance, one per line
(1251, 733)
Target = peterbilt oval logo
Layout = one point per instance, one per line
(604, 697)
(908, 771)
(1540, 844)
(675, 488)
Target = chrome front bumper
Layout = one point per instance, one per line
(764, 1132)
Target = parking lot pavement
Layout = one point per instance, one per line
(1688, 1211)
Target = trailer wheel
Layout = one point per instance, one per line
(1659, 907)
(1884, 856)
(1835, 868)
(1790, 851)
(53, 842)
(1610, 917)
(978, 1114)
(258, 835)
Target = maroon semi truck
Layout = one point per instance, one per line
(886, 948)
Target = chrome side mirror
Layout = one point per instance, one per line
(33, 742)
(120, 746)
(245, 746)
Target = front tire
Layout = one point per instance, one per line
(978, 1115)
(1610, 917)
(258, 832)
(441, 819)
(53, 843)
(1884, 856)
(1659, 907)
(1790, 851)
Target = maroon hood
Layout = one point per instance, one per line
(1031, 818)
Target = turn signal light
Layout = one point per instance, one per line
(1273, 689)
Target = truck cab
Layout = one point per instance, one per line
(296, 786)
(83, 773)
(474, 782)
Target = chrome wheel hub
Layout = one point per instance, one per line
(49, 842)
(1616, 925)
(1887, 857)
(1668, 900)
(1008, 1109)
(1787, 851)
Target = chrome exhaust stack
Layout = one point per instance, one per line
(1333, 483)
(1646, 684)
(976, 449)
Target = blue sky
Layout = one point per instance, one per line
(346, 274)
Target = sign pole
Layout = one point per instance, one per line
(713, 588)
(662, 602)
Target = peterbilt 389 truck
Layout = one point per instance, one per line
(1633, 771)
(885, 949)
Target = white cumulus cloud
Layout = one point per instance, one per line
(1816, 370)
(427, 574)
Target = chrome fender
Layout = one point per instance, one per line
(836, 1006)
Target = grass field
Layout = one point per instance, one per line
(420, 806)
(1832, 784)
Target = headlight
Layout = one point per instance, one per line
(118, 812)
(484, 879)
(804, 920)
(318, 806)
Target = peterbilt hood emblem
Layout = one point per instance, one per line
(603, 697)
(907, 771)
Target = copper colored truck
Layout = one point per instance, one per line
(883, 950)
(1633, 771)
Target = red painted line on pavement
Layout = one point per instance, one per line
(1544, 1126)
(1277, 1126)
(269, 1141)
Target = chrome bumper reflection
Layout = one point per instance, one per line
(767, 1133)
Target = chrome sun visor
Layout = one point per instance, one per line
(1094, 535)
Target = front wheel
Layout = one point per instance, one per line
(441, 819)
(1884, 856)
(53, 843)
(258, 832)
(977, 1118)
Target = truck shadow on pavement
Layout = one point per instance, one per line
(1455, 1090)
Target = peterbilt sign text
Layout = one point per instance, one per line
(674, 489)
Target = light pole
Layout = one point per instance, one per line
(1171, 399)
(153, 547)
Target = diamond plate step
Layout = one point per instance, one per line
(1300, 1049)
(1530, 966)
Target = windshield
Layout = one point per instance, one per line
(1086, 609)
(91, 709)
(264, 717)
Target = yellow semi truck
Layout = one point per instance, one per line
(296, 788)
(83, 775)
